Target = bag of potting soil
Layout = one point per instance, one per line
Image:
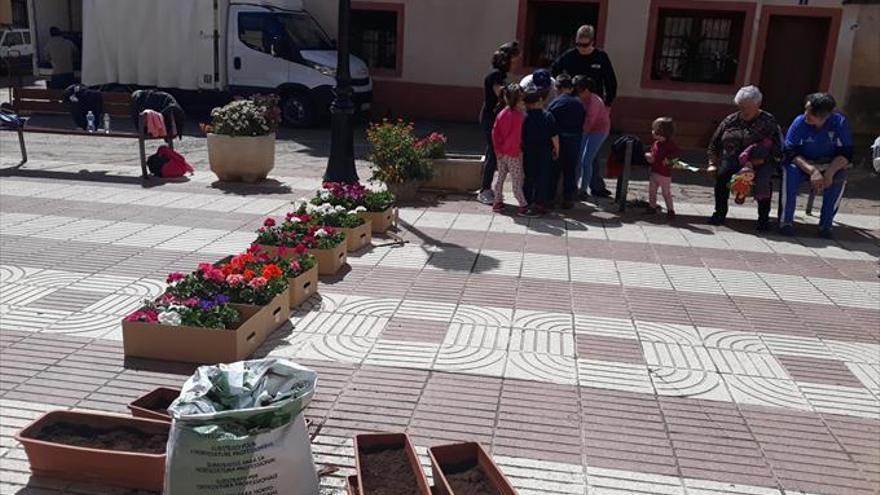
(238, 429)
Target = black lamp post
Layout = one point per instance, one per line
(340, 166)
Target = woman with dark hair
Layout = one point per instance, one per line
(493, 83)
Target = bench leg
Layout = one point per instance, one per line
(810, 200)
(23, 147)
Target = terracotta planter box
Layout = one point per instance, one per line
(126, 469)
(381, 221)
(456, 173)
(358, 237)
(374, 443)
(351, 485)
(154, 404)
(449, 460)
(303, 286)
(331, 261)
(206, 345)
(241, 158)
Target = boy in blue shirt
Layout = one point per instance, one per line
(568, 110)
(819, 147)
(540, 145)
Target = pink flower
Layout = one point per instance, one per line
(174, 277)
(254, 248)
(147, 316)
(205, 268)
(295, 266)
(257, 282)
(269, 222)
(235, 280)
(167, 298)
(191, 302)
(216, 275)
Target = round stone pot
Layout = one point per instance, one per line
(241, 158)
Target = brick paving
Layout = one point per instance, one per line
(595, 353)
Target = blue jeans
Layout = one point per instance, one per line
(792, 176)
(589, 169)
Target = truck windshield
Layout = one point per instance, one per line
(304, 32)
(281, 35)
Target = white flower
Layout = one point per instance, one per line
(324, 194)
(321, 233)
(339, 209)
(169, 318)
(295, 220)
(360, 209)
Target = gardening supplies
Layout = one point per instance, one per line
(97, 447)
(154, 405)
(467, 469)
(239, 428)
(387, 464)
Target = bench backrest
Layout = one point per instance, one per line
(28, 101)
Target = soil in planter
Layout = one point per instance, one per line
(387, 472)
(471, 482)
(121, 438)
(159, 405)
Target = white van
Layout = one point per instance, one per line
(15, 45)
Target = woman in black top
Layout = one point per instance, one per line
(492, 85)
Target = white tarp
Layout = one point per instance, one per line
(162, 43)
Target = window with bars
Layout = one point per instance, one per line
(697, 46)
(374, 38)
(551, 27)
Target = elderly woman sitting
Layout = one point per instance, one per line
(818, 146)
(748, 126)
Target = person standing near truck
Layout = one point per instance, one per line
(61, 54)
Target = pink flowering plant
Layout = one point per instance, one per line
(301, 262)
(432, 146)
(355, 197)
(289, 233)
(203, 306)
(394, 157)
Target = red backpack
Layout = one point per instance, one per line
(176, 166)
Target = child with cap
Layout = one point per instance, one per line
(540, 148)
(569, 112)
(543, 81)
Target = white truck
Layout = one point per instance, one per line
(241, 47)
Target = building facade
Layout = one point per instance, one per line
(683, 58)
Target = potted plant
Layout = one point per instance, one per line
(300, 268)
(241, 138)
(388, 463)
(395, 159)
(375, 206)
(154, 405)
(457, 173)
(97, 447)
(467, 468)
(358, 233)
(298, 232)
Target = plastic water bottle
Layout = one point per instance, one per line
(90, 121)
(106, 123)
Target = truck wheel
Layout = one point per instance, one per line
(297, 110)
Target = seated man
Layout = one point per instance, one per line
(818, 146)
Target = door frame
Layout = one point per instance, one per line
(768, 11)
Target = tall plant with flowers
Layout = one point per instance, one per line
(432, 146)
(394, 155)
(258, 115)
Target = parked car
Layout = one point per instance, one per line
(16, 49)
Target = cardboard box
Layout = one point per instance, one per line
(381, 221)
(359, 237)
(303, 286)
(331, 261)
(207, 345)
(457, 174)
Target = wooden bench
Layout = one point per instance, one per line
(31, 101)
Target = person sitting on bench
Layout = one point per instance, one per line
(818, 146)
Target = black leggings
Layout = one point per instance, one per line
(487, 121)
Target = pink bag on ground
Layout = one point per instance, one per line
(176, 166)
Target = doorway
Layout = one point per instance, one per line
(794, 61)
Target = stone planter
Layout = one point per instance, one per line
(122, 468)
(380, 221)
(358, 237)
(332, 260)
(303, 286)
(406, 191)
(154, 405)
(456, 173)
(206, 345)
(455, 459)
(241, 158)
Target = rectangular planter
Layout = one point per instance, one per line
(374, 442)
(303, 286)
(455, 458)
(153, 404)
(120, 468)
(358, 237)
(206, 345)
(381, 221)
(331, 261)
(458, 174)
(351, 485)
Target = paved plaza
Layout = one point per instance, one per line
(594, 353)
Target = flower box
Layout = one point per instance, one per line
(303, 286)
(456, 173)
(388, 460)
(381, 221)
(154, 405)
(207, 345)
(48, 443)
(358, 238)
(330, 261)
(467, 468)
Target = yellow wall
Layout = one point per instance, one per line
(866, 49)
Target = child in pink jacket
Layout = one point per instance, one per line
(507, 140)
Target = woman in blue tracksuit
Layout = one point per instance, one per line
(818, 147)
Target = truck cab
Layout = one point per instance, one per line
(271, 48)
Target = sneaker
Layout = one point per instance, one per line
(567, 205)
(498, 207)
(602, 194)
(652, 210)
(786, 230)
(716, 219)
(825, 233)
(670, 214)
(527, 211)
(583, 196)
(763, 225)
(486, 197)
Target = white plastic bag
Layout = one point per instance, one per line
(238, 429)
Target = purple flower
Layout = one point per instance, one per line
(206, 304)
(221, 299)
